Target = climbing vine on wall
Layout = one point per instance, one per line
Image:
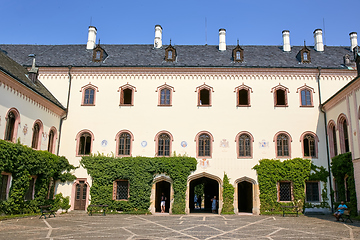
(23, 162)
(342, 168)
(228, 196)
(140, 172)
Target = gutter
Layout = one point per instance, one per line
(327, 140)
(66, 112)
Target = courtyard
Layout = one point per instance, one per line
(194, 226)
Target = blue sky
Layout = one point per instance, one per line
(253, 22)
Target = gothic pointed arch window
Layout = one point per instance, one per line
(309, 142)
(306, 96)
(37, 133)
(89, 95)
(165, 95)
(282, 141)
(52, 138)
(170, 53)
(163, 144)
(84, 144)
(238, 54)
(332, 138)
(280, 95)
(343, 133)
(204, 144)
(204, 95)
(244, 144)
(127, 95)
(12, 122)
(124, 140)
(243, 95)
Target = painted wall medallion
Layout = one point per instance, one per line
(263, 144)
(44, 136)
(25, 129)
(104, 143)
(184, 144)
(224, 143)
(204, 163)
(144, 144)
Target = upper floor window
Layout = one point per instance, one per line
(170, 53)
(5, 179)
(244, 144)
(36, 136)
(84, 142)
(306, 96)
(343, 133)
(121, 189)
(99, 54)
(285, 193)
(127, 95)
(332, 139)
(309, 144)
(282, 147)
(124, 141)
(243, 96)
(204, 95)
(204, 144)
(12, 122)
(280, 95)
(52, 138)
(238, 54)
(163, 143)
(165, 95)
(30, 192)
(88, 95)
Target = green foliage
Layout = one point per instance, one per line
(23, 162)
(199, 190)
(140, 172)
(228, 196)
(270, 172)
(60, 202)
(342, 167)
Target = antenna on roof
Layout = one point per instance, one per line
(205, 31)
(237, 41)
(170, 41)
(324, 31)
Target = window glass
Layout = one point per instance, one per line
(238, 55)
(312, 192)
(10, 125)
(280, 97)
(305, 97)
(35, 138)
(164, 145)
(85, 144)
(334, 140)
(98, 54)
(204, 145)
(124, 144)
(309, 146)
(89, 96)
(285, 191)
(305, 56)
(51, 141)
(244, 146)
(30, 191)
(122, 190)
(127, 96)
(346, 136)
(165, 96)
(243, 97)
(282, 145)
(170, 54)
(3, 186)
(204, 97)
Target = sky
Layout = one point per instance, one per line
(185, 22)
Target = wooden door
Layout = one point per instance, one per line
(80, 196)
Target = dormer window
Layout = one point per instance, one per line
(238, 54)
(304, 55)
(170, 53)
(99, 54)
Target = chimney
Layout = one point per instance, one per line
(318, 39)
(33, 72)
(91, 38)
(222, 41)
(158, 37)
(353, 40)
(286, 41)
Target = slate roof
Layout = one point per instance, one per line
(187, 56)
(19, 73)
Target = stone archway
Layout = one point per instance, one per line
(161, 184)
(213, 187)
(246, 196)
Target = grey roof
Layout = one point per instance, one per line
(19, 73)
(187, 56)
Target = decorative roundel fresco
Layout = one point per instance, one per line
(104, 143)
(143, 143)
(184, 144)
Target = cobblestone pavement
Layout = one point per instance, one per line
(204, 226)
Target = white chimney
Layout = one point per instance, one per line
(318, 39)
(353, 40)
(222, 41)
(91, 38)
(286, 41)
(158, 37)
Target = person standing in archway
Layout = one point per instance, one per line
(214, 204)
(199, 201)
(162, 204)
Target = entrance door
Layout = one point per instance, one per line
(162, 187)
(80, 196)
(245, 199)
(210, 188)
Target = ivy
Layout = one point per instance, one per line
(140, 172)
(342, 167)
(228, 196)
(23, 162)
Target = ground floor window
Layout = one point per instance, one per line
(4, 186)
(121, 190)
(284, 191)
(31, 189)
(312, 192)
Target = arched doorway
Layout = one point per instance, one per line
(162, 187)
(245, 196)
(80, 194)
(206, 185)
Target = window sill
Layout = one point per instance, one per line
(245, 157)
(87, 104)
(204, 157)
(128, 105)
(243, 105)
(204, 105)
(164, 105)
(307, 106)
(281, 105)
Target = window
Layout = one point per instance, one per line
(99, 54)
(5, 179)
(243, 95)
(204, 95)
(280, 96)
(124, 140)
(52, 138)
(238, 54)
(244, 144)
(284, 192)
(282, 146)
(332, 138)
(84, 142)
(12, 122)
(163, 143)
(165, 95)
(304, 55)
(312, 192)
(204, 144)
(29, 195)
(127, 95)
(309, 144)
(306, 96)
(121, 190)
(343, 133)
(170, 53)
(37, 132)
(89, 95)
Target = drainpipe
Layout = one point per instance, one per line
(327, 140)
(67, 110)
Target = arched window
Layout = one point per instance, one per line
(124, 140)
(127, 95)
(165, 96)
(332, 139)
(244, 144)
(204, 144)
(52, 139)
(204, 95)
(282, 146)
(280, 96)
(37, 132)
(243, 95)
(84, 142)
(12, 123)
(163, 144)
(309, 145)
(306, 96)
(88, 95)
(343, 133)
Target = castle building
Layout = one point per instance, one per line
(228, 106)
